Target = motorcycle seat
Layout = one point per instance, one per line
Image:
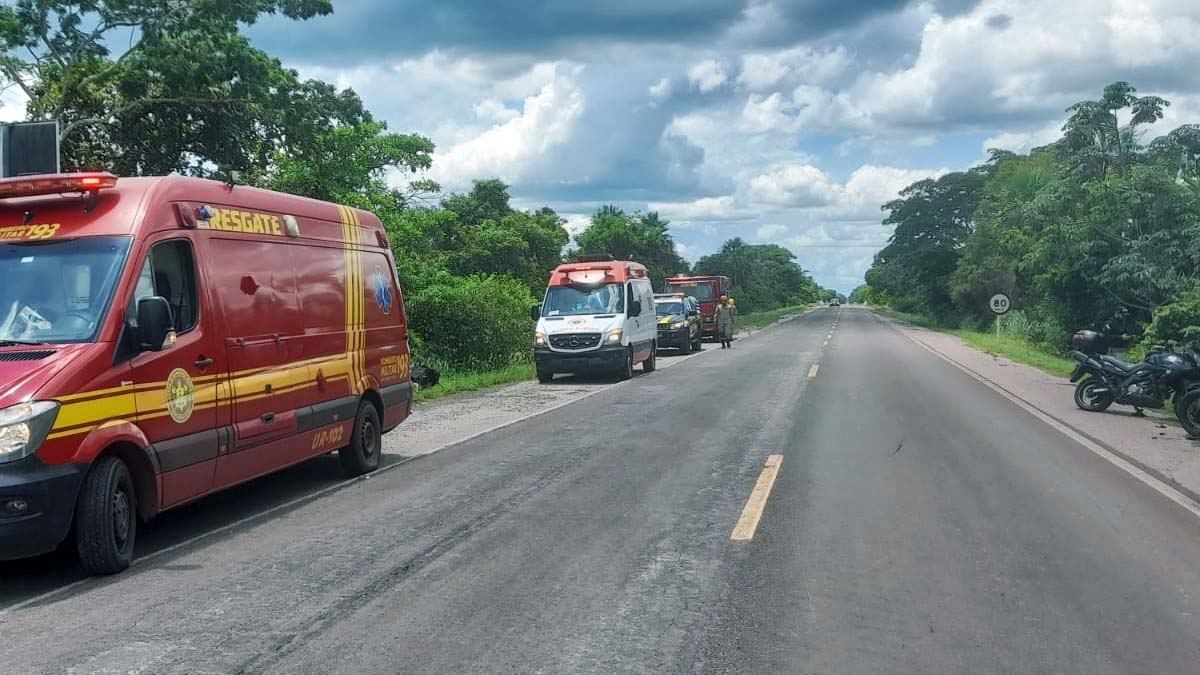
(1119, 364)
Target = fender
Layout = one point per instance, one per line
(108, 434)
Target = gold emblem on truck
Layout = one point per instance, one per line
(181, 395)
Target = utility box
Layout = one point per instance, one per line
(28, 148)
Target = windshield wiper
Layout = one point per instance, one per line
(10, 342)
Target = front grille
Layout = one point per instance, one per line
(26, 355)
(575, 341)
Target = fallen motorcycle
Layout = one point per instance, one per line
(1148, 384)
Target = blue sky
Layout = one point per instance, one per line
(781, 121)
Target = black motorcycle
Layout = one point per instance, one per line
(1149, 384)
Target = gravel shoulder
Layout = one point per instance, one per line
(1154, 443)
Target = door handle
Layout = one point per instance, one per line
(203, 362)
(267, 418)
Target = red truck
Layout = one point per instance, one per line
(165, 338)
(706, 291)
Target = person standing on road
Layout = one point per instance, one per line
(725, 315)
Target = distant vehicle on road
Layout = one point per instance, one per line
(679, 323)
(597, 316)
(706, 291)
(835, 303)
(165, 338)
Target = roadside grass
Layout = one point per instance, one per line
(768, 317)
(451, 383)
(1014, 347)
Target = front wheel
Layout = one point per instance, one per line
(1093, 395)
(698, 345)
(545, 376)
(366, 443)
(106, 518)
(626, 371)
(1188, 411)
(687, 346)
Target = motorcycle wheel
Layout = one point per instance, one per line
(1087, 398)
(1188, 411)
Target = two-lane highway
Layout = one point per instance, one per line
(915, 521)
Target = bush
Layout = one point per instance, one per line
(472, 323)
(1178, 321)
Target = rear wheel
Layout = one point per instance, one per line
(106, 518)
(651, 361)
(1188, 411)
(1092, 395)
(366, 442)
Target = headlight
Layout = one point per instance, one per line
(614, 337)
(539, 339)
(23, 427)
(678, 324)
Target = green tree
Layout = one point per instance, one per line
(187, 93)
(762, 276)
(642, 237)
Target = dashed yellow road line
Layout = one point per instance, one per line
(752, 513)
(812, 372)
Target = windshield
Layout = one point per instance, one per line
(700, 291)
(668, 307)
(58, 290)
(569, 300)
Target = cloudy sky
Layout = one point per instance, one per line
(782, 121)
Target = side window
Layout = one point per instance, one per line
(170, 272)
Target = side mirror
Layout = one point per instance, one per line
(535, 312)
(635, 308)
(156, 328)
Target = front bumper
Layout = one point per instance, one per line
(605, 359)
(674, 338)
(49, 493)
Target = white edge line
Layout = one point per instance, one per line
(1120, 462)
(312, 496)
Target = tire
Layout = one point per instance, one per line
(1188, 411)
(626, 371)
(545, 376)
(106, 517)
(1089, 401)
(651, 361)
(687, 347)
(698, 345)
(366, 442)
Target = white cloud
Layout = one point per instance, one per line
(493, 110)
(660, 90)
(702, 210)
(707, 75)
(512, 150)
(762, 114)
(1023, 141)
(770, 232)
(576, 222)
(764, 70)
(804, 186)
(798, 185)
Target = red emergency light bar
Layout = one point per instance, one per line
(58, 183)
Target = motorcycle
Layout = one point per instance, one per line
(1149, 384)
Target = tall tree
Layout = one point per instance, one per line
(185, 93)
(642, 237)
(763, 276)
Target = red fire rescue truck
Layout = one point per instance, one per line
(165, 338)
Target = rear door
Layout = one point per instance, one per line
(176, 389)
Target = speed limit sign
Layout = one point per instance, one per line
(999, 304)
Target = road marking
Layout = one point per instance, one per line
(812, 372)
(748, 522)
(1154, 482)
(313, 496)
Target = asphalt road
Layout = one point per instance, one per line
(919, 523)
